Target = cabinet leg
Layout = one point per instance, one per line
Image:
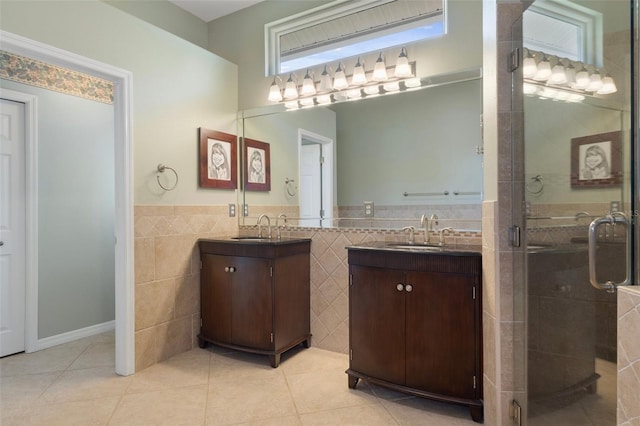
(275, 360)
(307, 343)
(202, 343)
(353, 381)
(477, 414)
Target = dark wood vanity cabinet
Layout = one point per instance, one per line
(255, 296)
(415, 324)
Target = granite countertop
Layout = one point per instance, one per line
(396, 246)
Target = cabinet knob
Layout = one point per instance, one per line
(399, 287)
(229, 269)
(408, 288)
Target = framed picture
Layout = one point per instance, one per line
(218, 159)
(257, 165)
(595, 161)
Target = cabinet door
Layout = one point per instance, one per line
(251, 302)
(215, 294)
(376, 319)
(441, 343)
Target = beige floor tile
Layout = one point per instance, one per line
(323, 390)
(89, 383)
(276, 421)
(248, 399)
(304, 360)
(96, 355)
(24, 390)
(363, 415)
(79, 413)
(241, 364)
(57, 358)
(172, 407)
(425, 412)
(187, 369)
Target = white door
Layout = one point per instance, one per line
(310, 184)
(12, 227)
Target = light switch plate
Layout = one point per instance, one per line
(614, 206)
(246, 209)
(232, 210)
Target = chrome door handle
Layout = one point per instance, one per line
(612, 219)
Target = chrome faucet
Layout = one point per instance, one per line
(424, 222)
(442, 232)
(411, 230)
(259, 223)
(284, 224)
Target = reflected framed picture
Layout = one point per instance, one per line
(218, 159)
(595, 161)
(257, 165)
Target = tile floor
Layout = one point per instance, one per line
(75, 384)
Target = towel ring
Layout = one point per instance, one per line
(161, 169)
(536, 186)
(290, 187)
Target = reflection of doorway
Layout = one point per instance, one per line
(315, 200)
(123, 247)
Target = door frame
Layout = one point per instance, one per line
(124, 233)
(328, 172)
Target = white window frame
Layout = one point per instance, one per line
(589, 21)
(333, 10)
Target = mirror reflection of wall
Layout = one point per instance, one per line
(422, 143)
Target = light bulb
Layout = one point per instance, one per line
(608, 86)
(340, 79)
(402, 65)
(380, 70)
(558, 74)
(325, 81)
(359, 76)
(392, 86)
(290, 89)
(354, 94)
(595, 82)
(570, 73)
(544, 70)
(372, 90)
(582, 79)
(274, 92)
(529, 67)
(308, 86)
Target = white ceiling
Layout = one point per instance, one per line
(208, 10)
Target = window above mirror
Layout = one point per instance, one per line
(344, 29)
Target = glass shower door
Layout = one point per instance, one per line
(577, 203)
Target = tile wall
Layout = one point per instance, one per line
(167, 275)
(628, 356)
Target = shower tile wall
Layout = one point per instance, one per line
(628, 356)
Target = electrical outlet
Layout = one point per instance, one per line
(246, 210)
(368, 209)
(232, 210)
(614, 206)
(527, 208)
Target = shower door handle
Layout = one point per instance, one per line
(611, 219)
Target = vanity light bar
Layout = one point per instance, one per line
(350, 92)
(552, 77)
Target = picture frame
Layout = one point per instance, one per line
(595, 161)
(218, 159)
(257, 165)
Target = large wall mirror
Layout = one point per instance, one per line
(379, 162)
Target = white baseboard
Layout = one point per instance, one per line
(70, 336)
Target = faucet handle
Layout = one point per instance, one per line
(411, 230)
(441, 236)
